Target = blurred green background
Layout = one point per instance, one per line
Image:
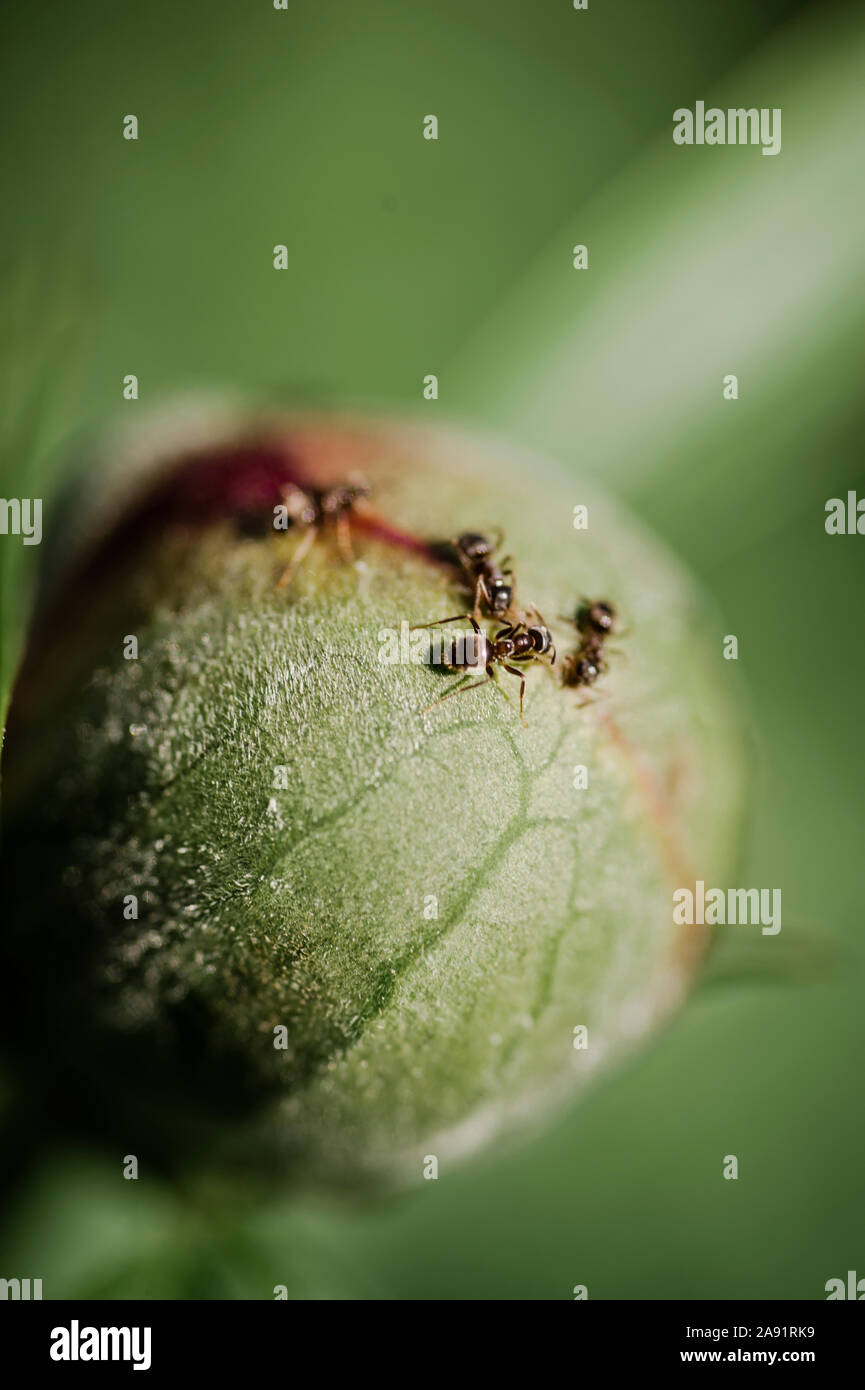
(407, 257)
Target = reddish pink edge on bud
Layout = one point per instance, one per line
(240, 480)
(690, 943)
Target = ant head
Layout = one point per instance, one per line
(587, 669)
(501, 596)
(541, 639)
(596, 617)
(473, 545)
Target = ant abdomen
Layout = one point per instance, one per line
(461, 651)
(473, 546)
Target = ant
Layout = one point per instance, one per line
(595, 620)
(492, 583)
(517, 642)
(313, 508)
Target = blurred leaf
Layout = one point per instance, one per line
(42, 320)
(803, 956)
(703, 262)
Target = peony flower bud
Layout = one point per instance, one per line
(264, 896)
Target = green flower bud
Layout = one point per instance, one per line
(260, 899)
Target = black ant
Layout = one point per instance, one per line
(313, 508)
(491, 583)
(516, 642)
(595, 620)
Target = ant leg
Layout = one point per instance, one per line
(459, 689)
(298, 558)
(591, 699)
(481, 592)
(522, 678)
(539, 619)
(436, 622)
(343, 537)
